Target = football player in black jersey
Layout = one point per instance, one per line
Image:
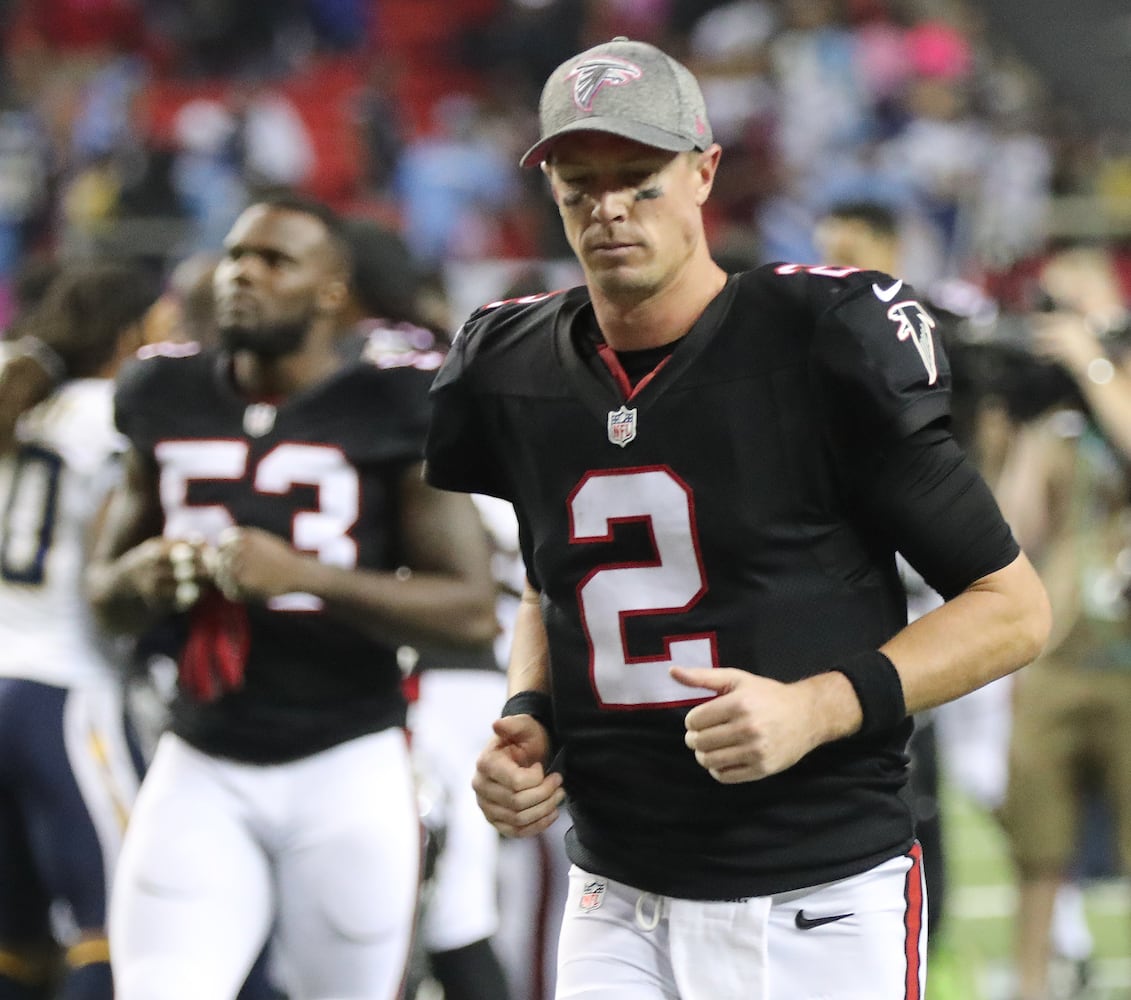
(712, 475)
(274, 498)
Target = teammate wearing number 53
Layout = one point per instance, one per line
(285, 467)
(713, 474)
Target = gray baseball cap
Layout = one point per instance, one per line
(625, 88)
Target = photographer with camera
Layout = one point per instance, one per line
(1065, 488)
(1093, 323)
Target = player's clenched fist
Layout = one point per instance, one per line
(252, 564)
(514, 792)
(753, 727)
(168, 573)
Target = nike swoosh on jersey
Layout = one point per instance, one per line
(804, 923)
(887, 294)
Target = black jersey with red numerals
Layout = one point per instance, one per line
(709, 519)
(319, 469)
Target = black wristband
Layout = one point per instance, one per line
(537, 704)
(878, 688)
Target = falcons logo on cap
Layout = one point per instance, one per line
(590, 76)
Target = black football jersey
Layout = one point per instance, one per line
(711, 518)
(319, 469)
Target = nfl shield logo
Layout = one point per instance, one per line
(622, 426)
(593, 895)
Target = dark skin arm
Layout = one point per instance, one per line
(23, 383)
(130, 577)
(445, 595)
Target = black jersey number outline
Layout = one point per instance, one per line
(672, 583)
(323, 531)
(28, 525)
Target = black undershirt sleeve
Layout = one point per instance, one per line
(927, 499)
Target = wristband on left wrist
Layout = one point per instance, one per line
(538, 705)
(879, 690)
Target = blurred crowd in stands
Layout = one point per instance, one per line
(143, 126)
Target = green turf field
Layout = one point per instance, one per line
(973, 961)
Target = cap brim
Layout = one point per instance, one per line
(638, 132)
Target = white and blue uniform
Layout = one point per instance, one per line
(69, 770)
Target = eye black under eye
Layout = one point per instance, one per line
(641, 183)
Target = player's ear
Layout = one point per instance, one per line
(705, 165)
(132, 338)
(334, 295)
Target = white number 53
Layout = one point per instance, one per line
(323, 531)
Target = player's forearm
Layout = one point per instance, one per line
(127, 579)
(1109, 400)
(995, 626)
(116, 602)
(834, 710)
(528, 667)
(23, 384)
(406, 607)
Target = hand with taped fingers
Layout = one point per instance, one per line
(253, 564)
(515, 794)
(168, 573)
(756, 726)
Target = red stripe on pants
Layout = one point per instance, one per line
(913, 921)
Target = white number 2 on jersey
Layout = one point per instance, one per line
(672, 583)
(324, 531)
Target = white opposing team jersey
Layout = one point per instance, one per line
(51, 486)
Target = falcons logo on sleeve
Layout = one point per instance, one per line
(590, 76)
(915, 324)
